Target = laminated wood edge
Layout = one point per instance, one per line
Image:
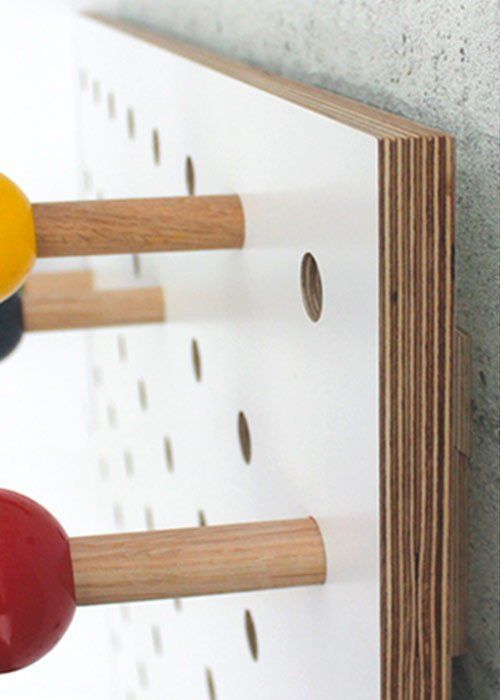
(416, 348)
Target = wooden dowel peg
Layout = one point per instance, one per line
(197, 561)
(94, 309)
(83, 309)
(67, 572)
(59, 283)
(109, 227)
(138, 225)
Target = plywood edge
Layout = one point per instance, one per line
(368, 119)
(416, 356)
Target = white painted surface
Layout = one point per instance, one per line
(309, 391)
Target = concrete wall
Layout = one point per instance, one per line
(435, 62)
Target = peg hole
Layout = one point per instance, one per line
(131, 124)
(129, 463)
(202, 520)
(244, 437)
(169, 455)
(136, 265)
(143, 394)
(112, 420)
(190, 176)
(312, 287)
(196, 359)
(251, 634)
(177, 605)
(156, 147)
(210, 684)
(122, 348)
(157, 640)
(111, 105)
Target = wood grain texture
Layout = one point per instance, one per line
(461, 453)
(59, 283)
(138, 225)
(93, 309)
(416, 210)
(416, 242)
(197, 561)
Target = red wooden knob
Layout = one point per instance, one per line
(37, 593)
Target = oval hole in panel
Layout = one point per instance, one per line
(136, 265)
(190, 176)
(169, 454)
(210, 684)
(131, 124)
(111, 105)
(251, 634)
(311, 287)
(157, 639)
(112, 419)
(244, 437)
(156, 147)
(122, 347)
(196, 359)
(143, 394)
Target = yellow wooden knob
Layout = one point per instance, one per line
(17, 237)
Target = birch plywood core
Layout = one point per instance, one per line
(307, 374)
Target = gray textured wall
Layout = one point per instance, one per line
(433, 61)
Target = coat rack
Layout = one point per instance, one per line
(310, 366)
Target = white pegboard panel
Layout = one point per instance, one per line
(309, 390)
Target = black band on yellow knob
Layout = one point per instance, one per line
(11, 324)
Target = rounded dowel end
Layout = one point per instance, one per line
(37, 591)
(198, 561)
(11, 325)
(17, 238)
